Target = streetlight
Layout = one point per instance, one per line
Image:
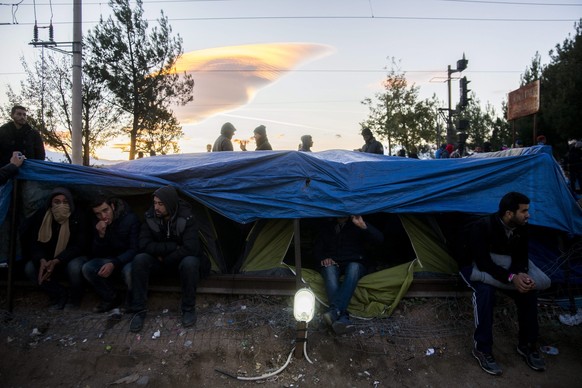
(461, 65)
(303, 310)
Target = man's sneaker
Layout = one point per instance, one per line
(487, 362)
(330, 316)
(106, 306)
(532, 358)
(137, 321)
(188, 318)
(343, 325)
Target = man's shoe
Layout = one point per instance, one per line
(188, 318)
(343, 326)
(330, 316)
(105, 306)
(59, 303)
(487, 362)
(532, 358)
(137, 321)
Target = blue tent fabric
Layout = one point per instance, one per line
(247, 186)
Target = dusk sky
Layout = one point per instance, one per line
(316, 60)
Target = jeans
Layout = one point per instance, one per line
(143, 264)
(103, 286)
(339, 294)
(483, 304)
(72, 273)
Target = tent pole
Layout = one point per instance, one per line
(12, 246)
(297, 240)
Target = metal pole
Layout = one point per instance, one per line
(450, 132)
(77, 122)
(297, 240)
(13, 214)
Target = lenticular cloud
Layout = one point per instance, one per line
(229, 77)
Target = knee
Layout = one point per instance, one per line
(141, 260)
(190, 264)
(355, 269)
(330, 271)
(75, 266)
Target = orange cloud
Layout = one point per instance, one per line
(229, 77)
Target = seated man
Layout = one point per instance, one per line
(340, 249)
(56, 240)
(168, 239)
(114, 246)
(499, 247)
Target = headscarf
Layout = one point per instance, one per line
(60, 214)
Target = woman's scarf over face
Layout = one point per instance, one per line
(60, 213)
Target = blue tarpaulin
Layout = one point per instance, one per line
(246, 186)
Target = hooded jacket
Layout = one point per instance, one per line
(223, 142)
(121, 237)
(174, 239)
(264, 144)
(78, 228)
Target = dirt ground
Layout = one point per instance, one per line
(427, 343)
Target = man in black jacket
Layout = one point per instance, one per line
(340, 250)
(17, 135)
(168, 239)
(371, 145)
(114, 246)
(498, 246)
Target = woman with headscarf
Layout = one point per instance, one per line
(56, 237)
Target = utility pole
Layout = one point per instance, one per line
(77, 103)
(77, 52)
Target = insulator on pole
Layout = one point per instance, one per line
(35, 33)
(51, 33)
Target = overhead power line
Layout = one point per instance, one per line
(454, 19)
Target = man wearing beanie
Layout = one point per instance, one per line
(372, 146)
(223, 142)
(261, 140)
(306, 143)
(168, 240)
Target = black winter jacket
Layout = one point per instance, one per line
(25, 139)
(488, 236)
(121, 237)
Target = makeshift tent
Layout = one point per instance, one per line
(286, 185)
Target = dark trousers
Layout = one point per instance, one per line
(483, 304)
(143, 264)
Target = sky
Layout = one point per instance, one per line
(314, 61)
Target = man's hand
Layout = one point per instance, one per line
(523, 282)
(46, 269)
(327, 262)
(359, 222)
(106, 270)
(17, 158)
(101, 227)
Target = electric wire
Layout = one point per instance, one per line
(261, 377)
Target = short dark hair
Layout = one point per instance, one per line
(17, 107)
(511, 202)
(98, 200)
